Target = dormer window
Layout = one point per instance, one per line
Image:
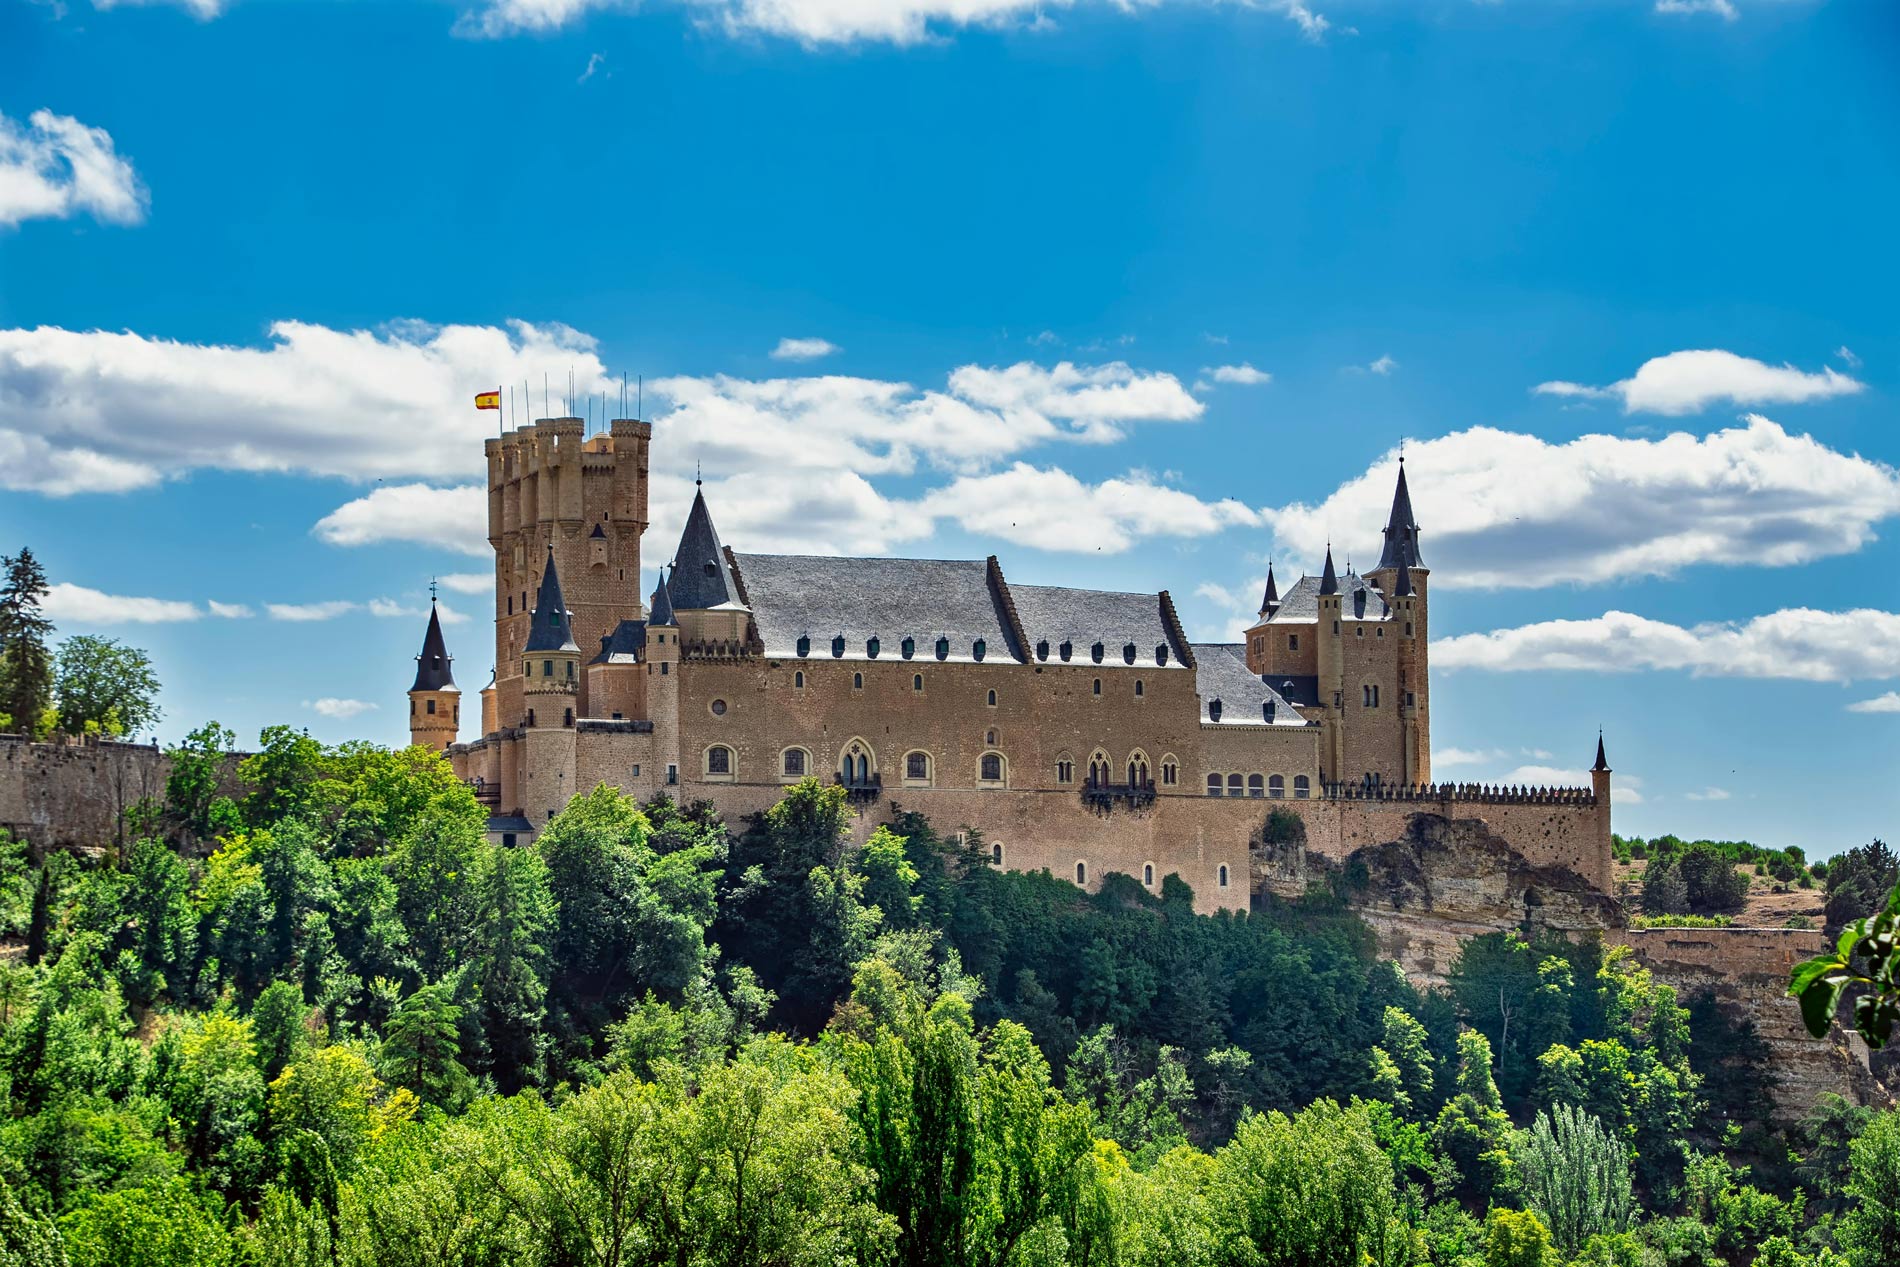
(1042, 649)
(943, 648)
(804, 644)
(1095, 652)
(712, 569)
(978, 647)
(1067, 649)
(837, 647)
(872, 647)
(1161, 653)
(1213, 710)
(908, 646)
(1128, 654)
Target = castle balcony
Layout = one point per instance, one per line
(1104, 796)
(487, 795)
(861, 791)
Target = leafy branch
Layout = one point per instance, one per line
(1819, 982)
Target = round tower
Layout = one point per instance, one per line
(663, 684)
(551, 659)
(435, 704)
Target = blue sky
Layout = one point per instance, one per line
(1133, 295)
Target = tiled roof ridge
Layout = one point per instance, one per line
(1172, 620)
(1006, 603)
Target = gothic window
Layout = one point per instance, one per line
(872, 647)
(1223, 875)
(718, 759)
(1170, 772)
(917, 766)
(1137, 771)
(1098, 768)
(1234, 786)
(794, 763)
(1148, 874)
(804, 644)
(1213, 785)
(990, 769)
(1065, 771)
(1081, 873)
(1302, 787)
(1371, 696)
(908, 646)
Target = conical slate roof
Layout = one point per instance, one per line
(701, 577)
(660, 610)
(1402, 588)
(1329, 579)
(550, 628)
(432, 666)
(1401, 529)
(1601, 764)
(1271, 599)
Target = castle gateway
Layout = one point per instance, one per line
(1078, 730)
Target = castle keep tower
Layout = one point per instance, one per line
(1403, 575)
(435, 703)
(581, 501)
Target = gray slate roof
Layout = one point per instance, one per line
(818, 597)
(1221, 674)
(432, 666)
(624, 644)
(1055, 614)
(1358, 600)
(701, 579)
(551, 628)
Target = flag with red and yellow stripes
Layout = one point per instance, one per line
(488, 400)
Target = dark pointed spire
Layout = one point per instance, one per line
(660, 610)
(1270, 601)
(1402, 588)
(1329, 579)
(701, 577)
(551, 626)
(1401, 528)
(432, 666)
(1601, 766)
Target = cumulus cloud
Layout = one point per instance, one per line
(1724, 9)
(230, 611)
(338, 709)
(468, 582)
(1243, 375)
(305, 612)
(69, 604)
(1053, 510)
(1506, 510)
(1689, 382)
(330, 609)
(816, 23)
(451, 518)
(1798, 644)
(1888, 703)
(1382, 367)
(804, 349)
(55, 167)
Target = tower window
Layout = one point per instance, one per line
(1292, 642)
(1408, 629)
(547, 668)
(567, 717)
(1138, 688)
(798, 680)
(570, 670)
(857, 681)
(1371, 696)
(992, 699)
(1222, 873)
(916, 681)
(1097, 688)
(1302, 787)
(511, 604)
(908, 647)
(429, 707)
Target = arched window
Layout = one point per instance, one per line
(719, 760)
(855, 764)
(996, 853)
(1276, 786)
(990, 768)
(1170, 771)
(794, 762)
(1233, 785)
(1222, 873)
(1301, 787)
(798, 680)
(1254, 787)
(857, 681)
(1213, 785)
(916, 681)
(917, 768)
(1082, 873)
(1148, 874)
(1097, 688)
(1140, 690)
(992, 699)
(1137, 769)
(1065, 770)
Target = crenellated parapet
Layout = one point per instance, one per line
(1459, 793)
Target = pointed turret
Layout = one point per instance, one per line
(1329, 579)
(1401, 529)
(1270, 601)
(550, 628)
(435, 708)
(660, 610)
(702, 579)
(1402, 588)
(1601, 765)
(432, 666)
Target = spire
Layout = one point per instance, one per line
(1329, 579)
(1402, 588)
(1270, 602)
(432, 666)
(701, 577)
(660, 610)
(1601, 765)
(1401, 528)
(551, 626)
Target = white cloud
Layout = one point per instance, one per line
(67, 603)
(804, 349)
(594, 61)
(230, 611)
(1505, 510)
(468, 582)
(1845, 355)
(29, 464)
(1888, 703)
(1689, 382)
(1243, 374)
(450, 518)
(55, 167)
(1724, 9)
(1709, 794)
(1218, 340)
(1052, 510)
(1468, 756)
(339, 709)
(1798, 644)
(306, 612)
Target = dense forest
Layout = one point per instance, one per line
(302, 1013)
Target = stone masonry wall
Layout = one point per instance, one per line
(72, 796)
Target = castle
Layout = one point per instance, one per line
(1078, 730)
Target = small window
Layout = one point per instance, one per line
(1222, 873)
(1066, 650)
(1254, 785)
(1292, 642)
(1170, 774)
(992, 699)
(872, 647)
(1065, 771)
(1148, 874)
(1081, 873)
(991, 768)
(547, 668)
(1302, 788)
(570, 670)
(1234, 785)
(1128, 653)
(665, 668)
(636, 769)
(1096, 652)
(1370, 696)
(804, 644)
(798, 680)
(1138, 688)
(507, 840)
(1097, 689)
(1042, 649)
(672, 774)
(837, 647)
(857, 681)
(794, 763)
(1213, 710)
(718, 760)
(978, 648)
(996, 854)
(1276, 786)
(943, 648)
(989, 737)
(917, 765)
(1408, 629)
(916, 681)
(1213, 785)
(429, 707)
(531, 719)
(718, 707)
(908, 646)
(1161, 653)
(1381, 631)
(1359, 631)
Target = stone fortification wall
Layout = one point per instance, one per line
(74, 796)
(1747, 971)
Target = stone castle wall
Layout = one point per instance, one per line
(74, 796)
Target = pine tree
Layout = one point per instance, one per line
(26, 665)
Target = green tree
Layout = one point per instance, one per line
(511, 964)
(421, 1051)
(196, 806)
(1472, 1131)
(27, 1239)
(277, 1027)
(1515, 1238)
(1869, 1230)
(26, 666)
(335, 1095)
(159, 1225)
(101, 686)
(1575, 1176)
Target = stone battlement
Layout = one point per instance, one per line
(1460, 793)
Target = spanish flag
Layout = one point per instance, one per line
(488, 400)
